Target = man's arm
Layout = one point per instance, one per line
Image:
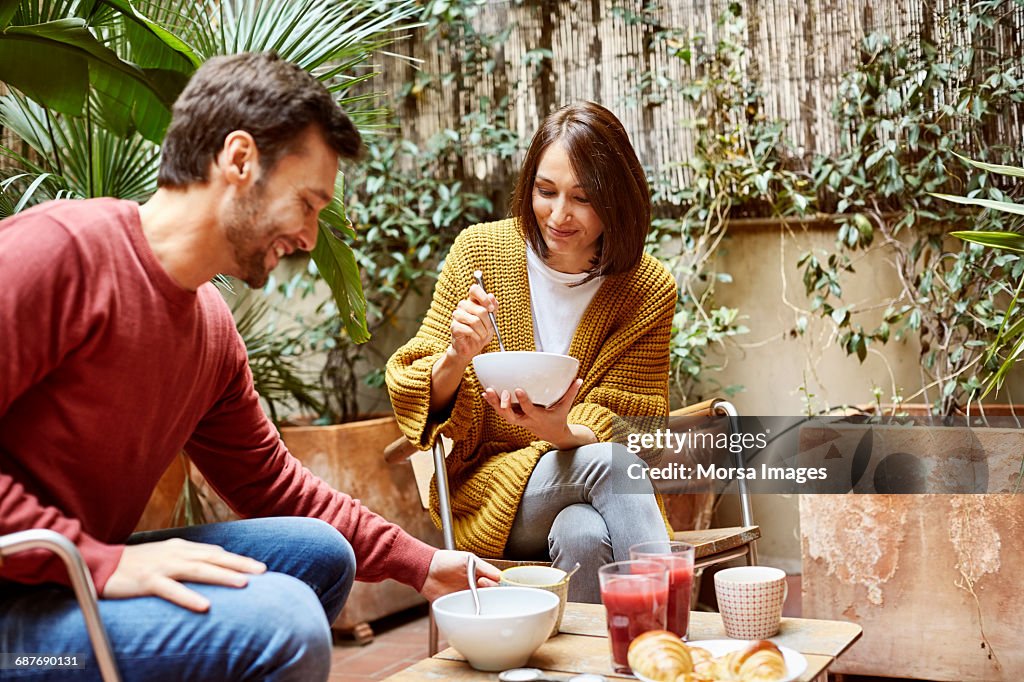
(41, 316)
(244, 459)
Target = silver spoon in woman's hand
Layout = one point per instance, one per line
(478, 275)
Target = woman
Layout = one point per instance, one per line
(571, 277)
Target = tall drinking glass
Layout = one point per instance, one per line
(677, 557)
(635, 596)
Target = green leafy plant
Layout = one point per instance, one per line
(1006, 348)
(407, 202)
(92, 83)
(406, 216)
(902, 111)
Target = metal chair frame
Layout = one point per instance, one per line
(81, 583)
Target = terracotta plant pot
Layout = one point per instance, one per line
(934, 579)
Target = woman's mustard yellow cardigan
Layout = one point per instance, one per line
(621, 343)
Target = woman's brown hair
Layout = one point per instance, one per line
(609, 172)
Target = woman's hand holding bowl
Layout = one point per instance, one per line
(546, 423)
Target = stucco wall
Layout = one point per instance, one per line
(773, 365)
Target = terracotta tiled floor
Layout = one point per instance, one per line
(401, 640)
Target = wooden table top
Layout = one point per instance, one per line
(582, 647)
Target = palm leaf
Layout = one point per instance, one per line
(21, 190)
(195, 22)
(20, 13)
(91, 160)
(58, 64)
(336, 263)
(1010, 241)
(332, 40)
(123, 99)
(1004, 206)
(154, 45)
(1012, 171)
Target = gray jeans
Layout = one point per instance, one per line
(574, 509)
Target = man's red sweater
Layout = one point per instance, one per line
(108, 369)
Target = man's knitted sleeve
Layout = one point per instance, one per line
(43, 318)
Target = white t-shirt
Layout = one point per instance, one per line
(557, 307)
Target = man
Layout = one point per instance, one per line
(116, 352)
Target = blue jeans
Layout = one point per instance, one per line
(276, 628)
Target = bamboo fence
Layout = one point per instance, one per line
(797, 51)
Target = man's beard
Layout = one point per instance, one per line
(247, 230)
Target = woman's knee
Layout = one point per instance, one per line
(613, 463)
(579, 530)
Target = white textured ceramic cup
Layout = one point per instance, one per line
(750, 600)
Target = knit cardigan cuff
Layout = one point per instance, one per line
(456, 422)
(411, 399)
(598, 418)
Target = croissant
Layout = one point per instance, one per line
(760, 662)
(659, 655)
(721, 669)
(694, 677)
(703, 663)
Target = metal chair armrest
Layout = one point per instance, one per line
(399, 451)
(443, 495)
(81, 582)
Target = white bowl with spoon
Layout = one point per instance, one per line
(513, 622)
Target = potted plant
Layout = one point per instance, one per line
(901, 112)
(942, 561)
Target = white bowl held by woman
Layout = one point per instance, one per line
(544, 376)
(513, 622)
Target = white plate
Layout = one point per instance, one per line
(796, 663)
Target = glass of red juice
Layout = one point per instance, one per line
(677, 557)
(635, 597)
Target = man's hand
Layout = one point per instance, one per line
(158, 568)
(447, 573)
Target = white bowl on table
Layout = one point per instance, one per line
(544, 376)
(513, 622)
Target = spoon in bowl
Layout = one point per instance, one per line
(478, 275)
(471, 575)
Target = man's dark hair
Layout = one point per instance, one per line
(273, 100)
